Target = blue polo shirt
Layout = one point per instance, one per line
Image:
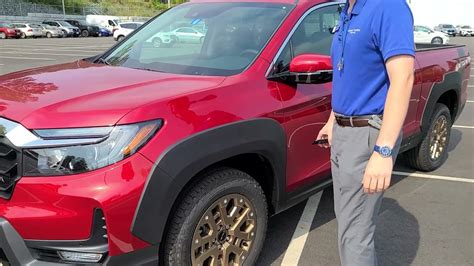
(375, 31)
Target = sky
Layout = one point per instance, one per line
(433, 12)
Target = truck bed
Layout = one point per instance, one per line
(421, 47)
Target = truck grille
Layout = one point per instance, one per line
(10, 163)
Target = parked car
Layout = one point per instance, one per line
(104, 32)
(163, 39)
(188, 34)
(50, 31)
(124, 29)
(181, 155)
(85, 28)
(447, 28)
(108, 22)
(7, 31)
(28, 30)
(466, 31)
(424, 34)
(68, 29)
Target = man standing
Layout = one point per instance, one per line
(373, 58)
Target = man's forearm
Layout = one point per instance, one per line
(332, 117)
(396, 108)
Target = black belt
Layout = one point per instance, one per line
(354, 121)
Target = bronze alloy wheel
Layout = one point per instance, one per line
(225, 232)
(439, 138)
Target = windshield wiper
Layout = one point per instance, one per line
(102, 60)
(149, 69)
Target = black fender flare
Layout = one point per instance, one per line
(182, 161)
(452, 82)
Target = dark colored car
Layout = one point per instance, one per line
(68, 29)
(7, 31)
(104, 32)
(447, 28)
(85, 28)
(178, 155)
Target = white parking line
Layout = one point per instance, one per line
(459, 126)
(295, 248)
(437, 177)
(35, 53)
(66, 50)
(70, 50)
(470, 86)
(26, 58)
(470, 101)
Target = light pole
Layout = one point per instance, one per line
(169, 3)
(64, 9)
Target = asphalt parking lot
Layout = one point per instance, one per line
(426, 218)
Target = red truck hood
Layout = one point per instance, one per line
(82, 94)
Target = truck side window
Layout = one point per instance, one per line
(313, 35)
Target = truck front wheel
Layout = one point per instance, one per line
(221, 220)
(433, 149)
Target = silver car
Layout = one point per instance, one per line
(67, 28)
(28, 30)
(51, 31)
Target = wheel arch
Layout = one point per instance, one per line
(446, 92)
(255, 146)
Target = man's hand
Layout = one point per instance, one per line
(326, 133)
(378, 174)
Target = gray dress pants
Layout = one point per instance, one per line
(356, 211)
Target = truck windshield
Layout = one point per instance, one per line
(214, 39)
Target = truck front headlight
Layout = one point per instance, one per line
(119, 143)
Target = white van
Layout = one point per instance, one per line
(108, 22)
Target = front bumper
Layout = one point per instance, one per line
(62, 208)
(14, 250)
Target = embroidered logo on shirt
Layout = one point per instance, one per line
(353, 31)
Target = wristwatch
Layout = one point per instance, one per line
(384, 151)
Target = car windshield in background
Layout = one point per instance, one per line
(64, 24)
(215, 39)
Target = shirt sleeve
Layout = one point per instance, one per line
(393, 29)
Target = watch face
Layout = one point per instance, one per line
(385, 151)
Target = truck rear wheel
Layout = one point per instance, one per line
(433, 149)
(221, 220)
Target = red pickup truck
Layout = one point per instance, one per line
(176, 155)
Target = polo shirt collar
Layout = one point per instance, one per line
(357, 8)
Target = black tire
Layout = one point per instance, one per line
(420, 157)
(23, 35)
(85, 33)
(437, 40)
(120, 38)
(3, 35)
(214, 187)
